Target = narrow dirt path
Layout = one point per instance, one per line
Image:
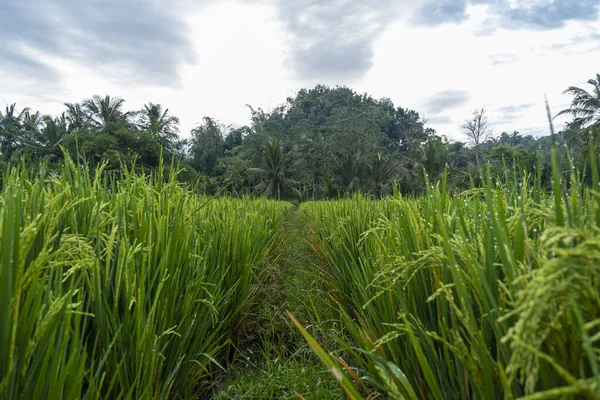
(299, 263)
(276, 362)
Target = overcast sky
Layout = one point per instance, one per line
(211, 58)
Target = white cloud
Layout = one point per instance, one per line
(242, 52)
(413, 64)
(246, 52)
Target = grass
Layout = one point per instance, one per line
(274, 362)
(282, 377)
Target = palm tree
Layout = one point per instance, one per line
(312, 152)
(47, 140)
(272, 170)
(382, 169)
(434, 158)
(160, 124)
(515, 138)
(105, 112)
(33, 123)
(76, 117)
(585, 106)
(348, 167)
(11, 130)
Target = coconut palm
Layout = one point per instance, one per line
(585, 106)
(272, 171)
(76, 117)
(348, 168)
(105, 112)
(312, 152)
(47, 139)
(11, 129)
(32, 122)
(161, 125)
(434, 159)
(381, 169)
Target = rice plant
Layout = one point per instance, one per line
(492, 293)
(122, 287)
(127, 286)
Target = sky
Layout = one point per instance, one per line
(202, 58)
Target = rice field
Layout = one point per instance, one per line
(493, 293)
(126, 287)
(131, 286)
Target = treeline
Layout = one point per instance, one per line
(323, 143)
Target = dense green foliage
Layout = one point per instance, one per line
(323, 143)
(122, 286)
(438, 276)
(492, 293)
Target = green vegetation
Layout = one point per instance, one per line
(123, 287)
(274, 360)
(488, 294)
(445, 271)
(322, 143)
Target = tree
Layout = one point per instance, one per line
(233, 169)
(105, 112)
(434, 159)
(11, 130)
(157, 122)
(585, 106)
(206, 146)
(329, 142)
(477, 129)
(347, 169)
(311, 151)
(46, 140)
(33, 123)
(76, 117)
(272, 171)
(381, 170)
(409, 134)
(235, 138)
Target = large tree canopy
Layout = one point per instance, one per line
(323, 142)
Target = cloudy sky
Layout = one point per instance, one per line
(210, 58)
